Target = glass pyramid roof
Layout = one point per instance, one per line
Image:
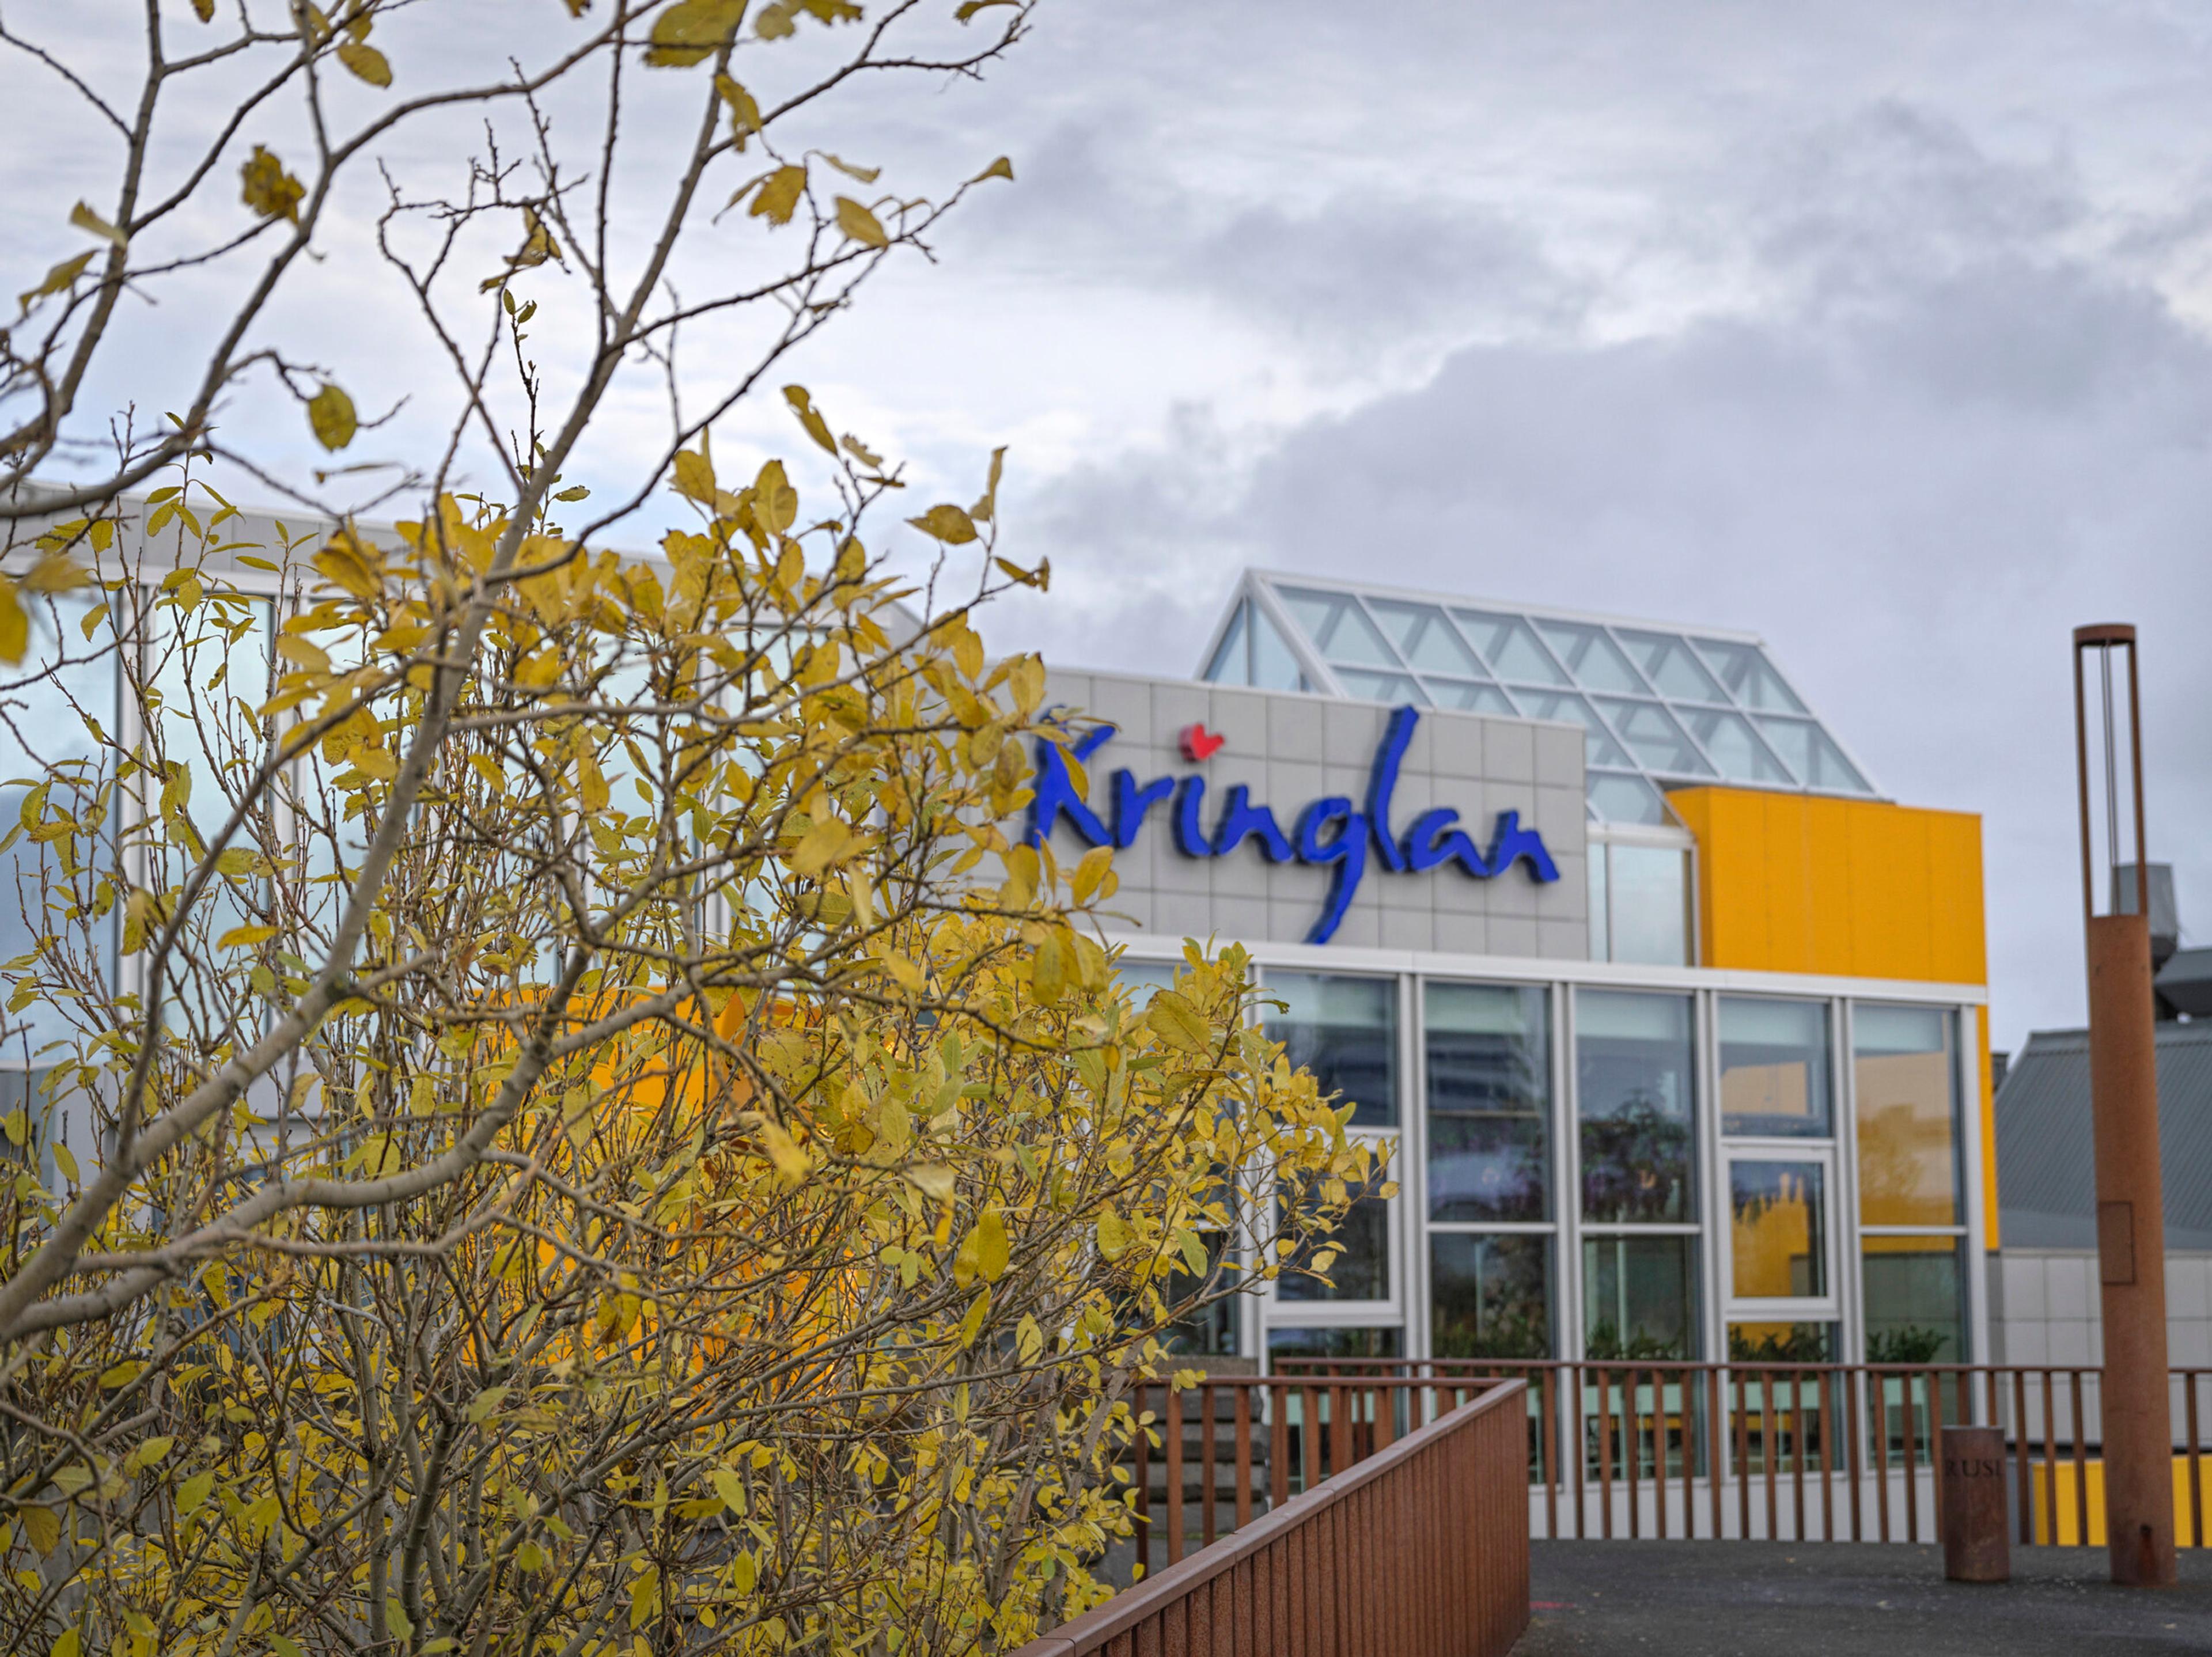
(1662, 707)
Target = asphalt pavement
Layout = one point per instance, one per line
(1847, 1599)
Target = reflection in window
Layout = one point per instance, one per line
(1208, 1329)
(1345, 1030)
(1750, 678)
(1360, 1267)
(1491, 1295)
(1774, 1068)
(49, 712)
(1650, 896)
(1904, 1071)
(1779, 1228)
(1335, 1343)
(1639, 1298)
(1632, 1066)
(1490, 1102)
(1781, 1343)
(1915, 1312)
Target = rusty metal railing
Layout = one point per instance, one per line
(1798, 1452)
(1416, 1544)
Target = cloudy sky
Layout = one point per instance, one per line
(1878, 329)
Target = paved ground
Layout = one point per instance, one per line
(1845, 1600)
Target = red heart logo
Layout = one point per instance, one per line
(1199, 743)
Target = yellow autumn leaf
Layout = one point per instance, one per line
(268, 189)
(777, 198)
(865, 175)
(689, 33)
(1001, 168)
(862, 226)
(84, 218)
(15, 625)
(744, 112)
(367, 63)
(803, 406)
(57, 279)
(827, 842)
(239, 938)
(1176, 1022)
(946, 523)
(330, 412)
(347, 563)
(694, 477)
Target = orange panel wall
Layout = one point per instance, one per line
(1849, 889)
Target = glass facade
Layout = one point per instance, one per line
(1490, 1102)
(1775, 1075)
(1634, 1068)
(1345, 1030)
(1576, 1183)
(1779, 1225)
(1905, 1070)
(1640, 1297)
(1491, 1295)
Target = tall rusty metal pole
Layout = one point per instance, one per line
(2124, 1110)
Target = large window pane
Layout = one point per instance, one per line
(1425, 639)
(1598, 745)
(1633, 1073)
(1626, 798)
(1339, 627)
(1275, 667)
(1358, 1266)
(1593, 659)
(1751, 679)
(1650, 905)
(1509, 647)
(1775, 1072)
(1670, 663)
(1492, 1297)
(1651, 731)
(1345, 1030)
(1778, 1232)
(1490, 1102)
(1231, 665)
(1639, 1298)
(1905, 1069)
(1915, 1311)
(1735, 748)
(1813, 755)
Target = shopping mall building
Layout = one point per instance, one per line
(1673, 1025)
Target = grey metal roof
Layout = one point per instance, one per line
(2186, 981)
(2046, 1169)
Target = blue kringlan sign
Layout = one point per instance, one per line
(1332, 832)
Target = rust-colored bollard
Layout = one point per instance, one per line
(1976, 1547)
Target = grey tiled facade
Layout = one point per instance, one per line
(1291, 750)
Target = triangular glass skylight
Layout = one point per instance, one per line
(1659, 708)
